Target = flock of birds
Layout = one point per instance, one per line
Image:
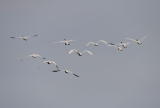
(119, 46)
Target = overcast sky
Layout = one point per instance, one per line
(108, 79)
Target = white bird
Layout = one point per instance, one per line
(24, 37)
(95, 43)
(138, 41)
(124, 44)
(34, 56)
(67, 42)
(66, 71)
(80, 53)
(50, 62)
(116, 46)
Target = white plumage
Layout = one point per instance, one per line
(79, 53)
(66, 42)
(34, 56)
(124, 44)
(50, 62)
(95, 43)
(24, 37)
(116, 46)
(138, 41)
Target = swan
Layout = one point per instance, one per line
(80, 53)
(124, 44)
(138, 41)
(95, 43)
(66, 42)
(66, 71)
(116, 46)
(34, 56)
(50, 62)
(24, 37)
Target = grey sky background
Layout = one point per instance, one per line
(109, 78)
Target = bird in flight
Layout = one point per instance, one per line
(34, 56)
(66, 71)
(124, 45)
(139, 41)
(95, 43)
(50, 62)
(66, 42)
(24, 37)
(116, 46)
(80, 53)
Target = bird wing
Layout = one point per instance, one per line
(71, 40)
(131, 39)
(56, 70)
(35, 35)
(113, 45)
(73, 73)
(32, 36)
(16, 37)
(76, 75)
(128, 43)
(89, 44)
(87, 52)
(102, 41)
(42, 63)
(26, 57)
(71, 51)
(144, 38)
(55, 64)
(60, 42)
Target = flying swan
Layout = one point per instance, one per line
(24, 37)
(66, 42)
(79, 53)
(34, 56)
(49, 62)
(95, 43)
(138, 41)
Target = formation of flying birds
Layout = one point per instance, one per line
(119, 46)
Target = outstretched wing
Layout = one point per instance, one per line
(71, 51)
(144, 38)
(113, 45)
(71, 40)
(73, 73)
(42, 63)
(128, 43)
(102, 41)
(76, 75)
(131, 39)
(15, 37)
(60, 42)
(26, 57)
(35, 35)
(87, 52)
(56, 70)
(89, 44)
